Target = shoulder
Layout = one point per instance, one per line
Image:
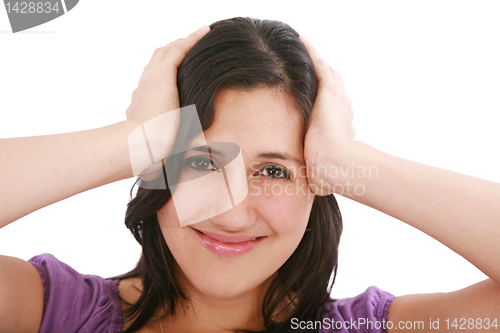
(130, 290)
(366, 312)
(73, 300)
(21, 293)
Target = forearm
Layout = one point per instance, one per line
(462, 212)
(38, 171)
(474, 307)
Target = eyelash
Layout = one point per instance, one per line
(282, 170)
(190, 162)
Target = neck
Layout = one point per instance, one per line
(216, 315)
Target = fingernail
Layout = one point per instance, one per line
(205, 28)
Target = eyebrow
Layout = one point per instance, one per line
(270, 155)
(204, 149)
(280, 156)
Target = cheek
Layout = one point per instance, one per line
(175, 236)
(287, 216)
(169, 222)
(173, 233)
(285, 206)
(167, 216)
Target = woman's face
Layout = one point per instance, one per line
(218, 256)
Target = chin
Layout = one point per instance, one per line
(215, 285)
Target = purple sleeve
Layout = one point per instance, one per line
(74, 302)
(364, 313)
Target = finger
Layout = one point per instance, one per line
(179, 49)
(337, 78)
(160, 53)
(323, 71)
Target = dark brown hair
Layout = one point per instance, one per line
(243, 53)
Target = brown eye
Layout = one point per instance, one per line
(275, 172)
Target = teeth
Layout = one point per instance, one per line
(254, 239)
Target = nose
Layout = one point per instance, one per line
(240, 218)
(198, 198)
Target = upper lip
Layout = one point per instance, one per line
(228, 238)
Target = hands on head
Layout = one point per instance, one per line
(156, 102)
(330, 131)
(155, 107)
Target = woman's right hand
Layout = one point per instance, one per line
(72, 163)
(154, 111)
(330, 132)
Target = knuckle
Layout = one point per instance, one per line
(158, 51)
(185, 48)
(177, 44)
(320, 62)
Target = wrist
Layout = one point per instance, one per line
(152, 141)
(342, 169)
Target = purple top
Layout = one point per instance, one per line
(74, 302)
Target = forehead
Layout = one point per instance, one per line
(257, 119)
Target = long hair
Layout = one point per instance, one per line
(243, 53)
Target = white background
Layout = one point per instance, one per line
(424, 78)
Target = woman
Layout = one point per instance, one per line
(265, 263)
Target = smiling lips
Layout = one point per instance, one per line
(228, 246)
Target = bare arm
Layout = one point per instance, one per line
(460, 211)
(38, 171)
(472, 309)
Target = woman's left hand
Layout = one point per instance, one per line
(459, 211)
(330, 131)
